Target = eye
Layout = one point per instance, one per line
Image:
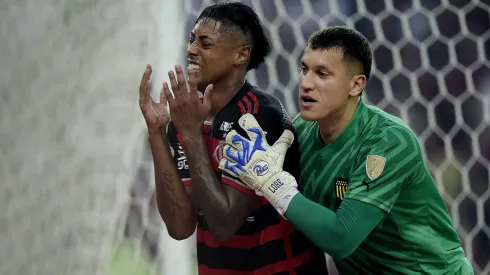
(303, 70)
(322, 74)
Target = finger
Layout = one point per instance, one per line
(181, 80)
(283, 143)
(233, 155)
(192, 82)
(173, 84)
(168, 96)
(144, 92)
(163, 97)
(235, 139)
(207, 95)
(248, 123)
(231, 168)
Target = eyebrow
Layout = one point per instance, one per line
(318, 67)
(201, 37)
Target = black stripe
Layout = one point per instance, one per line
(264, 217)
(317, 266)
(299, 243)
(241, 259)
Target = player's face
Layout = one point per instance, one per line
(325, 84)
(209, 52)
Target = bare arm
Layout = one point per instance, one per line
(174, 203)
(224, 207)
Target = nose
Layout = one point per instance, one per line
(192, 49)
(306, 81)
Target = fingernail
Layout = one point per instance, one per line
(178, 67)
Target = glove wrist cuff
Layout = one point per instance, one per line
(279, 190)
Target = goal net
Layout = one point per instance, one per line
(76, 179)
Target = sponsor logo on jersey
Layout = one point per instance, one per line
(374, 166)
(261, 168)
(341, 186)
(181, 159)
(226, 126)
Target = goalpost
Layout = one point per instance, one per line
(76, 177)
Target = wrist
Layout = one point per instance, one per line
(191, 139)
(280, 190)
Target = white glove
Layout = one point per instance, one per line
(258, 164)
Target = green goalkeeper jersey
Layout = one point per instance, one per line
(377, 160)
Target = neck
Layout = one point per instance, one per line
(332, 126)
(224, 90)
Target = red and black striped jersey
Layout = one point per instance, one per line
(266, 243)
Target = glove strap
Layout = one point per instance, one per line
(279, 190)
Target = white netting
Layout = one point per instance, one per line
(74, 160)
(72, 136)
(431, 69)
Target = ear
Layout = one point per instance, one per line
(358, 83)
(242, 55)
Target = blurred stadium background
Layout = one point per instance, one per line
(76, 190)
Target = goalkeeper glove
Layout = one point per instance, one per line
(258, 164)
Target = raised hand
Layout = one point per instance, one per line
(156, 114)
(186, 109)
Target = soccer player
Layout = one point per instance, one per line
(238, 232)
(367, 197)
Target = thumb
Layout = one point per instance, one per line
(283, 143)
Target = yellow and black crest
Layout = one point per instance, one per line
(341, 186)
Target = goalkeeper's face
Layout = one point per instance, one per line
(327, 83)
(211, 52)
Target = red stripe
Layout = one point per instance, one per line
(187, 182)
(249, 104)
(270, 233)
(179, 139)
(237, 186)
(255, 100)
(207, 128)
(266, 270)
(242, 108)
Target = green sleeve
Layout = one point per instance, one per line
(336, 233)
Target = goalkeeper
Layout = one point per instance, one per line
(367, 197)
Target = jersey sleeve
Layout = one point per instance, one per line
(273, 121)
(384, 167)
(178, 155)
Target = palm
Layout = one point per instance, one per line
(155, 114)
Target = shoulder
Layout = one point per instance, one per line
(267, 107)
(387, 132)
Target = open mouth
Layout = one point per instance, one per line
(308, 99)
(194, 67)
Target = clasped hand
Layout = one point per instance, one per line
(258, 164)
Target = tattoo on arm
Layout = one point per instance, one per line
(175, 205)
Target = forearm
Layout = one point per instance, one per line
(174, 203)
(207, 189)
(336, 233)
